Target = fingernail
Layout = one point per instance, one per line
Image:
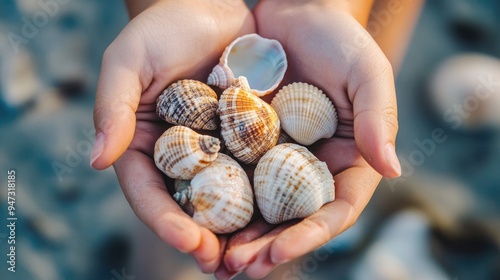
(278, 261)
(98, 148)
(392, 158)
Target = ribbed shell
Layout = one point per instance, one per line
(190, 103)
(180, 152)
(249, 126)
(290, 182)
(305, 112)
(260, 60)
(220, 195)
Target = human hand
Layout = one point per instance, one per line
(168, 41)
(327, 47)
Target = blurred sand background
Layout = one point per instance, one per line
(441, 220)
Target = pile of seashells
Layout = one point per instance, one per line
(289, 181)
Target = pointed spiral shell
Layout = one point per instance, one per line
(180, 152)
(190, 103)
(249, 126)
(220, 196)
(305, 112)
(290, 182)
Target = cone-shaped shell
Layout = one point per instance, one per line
(262, 61)
(305, 112)
(220, 196)
(180, 152)
(189, 103)
(249, 126)
(290, 182)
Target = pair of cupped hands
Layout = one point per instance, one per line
(326, 46)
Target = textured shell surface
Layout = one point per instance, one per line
(181, 152)
(290, 182)
(305, 112)
(260, 60)
(220, 196)
(190, 103)
(249, 126)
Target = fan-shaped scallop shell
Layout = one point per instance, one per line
(220, 196)
(180, 152)
(261, 61)
(305, 112)
(290, 182)
(249, 126)
(190, 103)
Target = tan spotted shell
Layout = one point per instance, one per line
(305, 112)
(219, 197)
(190, 103)
(290, 182)
(249, 126)
(180, 152)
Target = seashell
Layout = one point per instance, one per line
(305, 112)
(189, 103)
(180, 152)
(261, 61)
(249, 126)
(290, 182)
(220, 196)
(463, 92)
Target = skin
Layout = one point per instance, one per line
(163, 43)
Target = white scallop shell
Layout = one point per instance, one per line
(180, 152)
(261, 61)
(290, 182)
(220, 196)
(305, 112)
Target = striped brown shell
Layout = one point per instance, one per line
(180, 152)
(189, 103)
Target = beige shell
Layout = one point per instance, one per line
(305, 112)
(249, 126)
(290, 182)
(189, 103)
(261, 61)
(180, 152)
(219, 197)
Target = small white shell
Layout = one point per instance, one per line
(290, 182)
(190, 103)
(305, 112)
(220, 196)
(261, 61)
(249, 126)
(181, 152)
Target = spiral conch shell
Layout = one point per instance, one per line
(220, 196)
(190, 103)
(290, 182)
(261, 61)
(249, 126)
(180, 152)
(305, 112)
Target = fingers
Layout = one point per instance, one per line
(118, 93)
(144, 189)
(353, 191)
(371, 90)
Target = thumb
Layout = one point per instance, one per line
(118, 94)
(375, 114)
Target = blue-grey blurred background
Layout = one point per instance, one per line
(440, 220)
